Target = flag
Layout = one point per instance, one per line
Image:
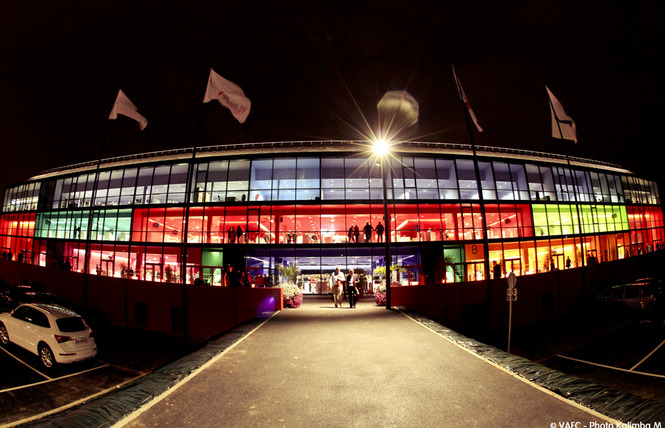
(563, 126)
(466, 101)
(229, 95)
(125, 107)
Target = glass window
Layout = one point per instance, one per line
(504, 183)
(466, 177)
(178, 183)
(614, 188)
(598, 192)
(144, 185)
(308, 224)
(284, 177)
(102, 188)
(548, 184)
(238, 181)
(535, 182)
(565, 184)
(217, 180)
(583, 185)
(430, 222)
(469, 222)
(332, 178)
(487, 180)
(128, 186)
(160, 183)
(308, 173)
(375, 180)
(261, 180)
(356, 172)
(520, 187)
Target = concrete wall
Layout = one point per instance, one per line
(482, 306)
(150, 305)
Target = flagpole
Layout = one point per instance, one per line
(565, 148)
(87, 258)
(185, 249)
(480, 190)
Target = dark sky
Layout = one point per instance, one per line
(311, 67)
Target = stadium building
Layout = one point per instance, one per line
(456, 213)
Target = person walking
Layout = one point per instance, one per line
(352, 288)
(337, 280)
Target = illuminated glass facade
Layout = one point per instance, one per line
(177, 215)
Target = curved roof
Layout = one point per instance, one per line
(241, 149)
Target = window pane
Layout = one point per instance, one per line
(447, 179)
(178, 183)
(487, 180)
(466, 177)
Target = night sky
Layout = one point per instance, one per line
(311, 68)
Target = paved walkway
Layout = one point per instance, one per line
(366, 367)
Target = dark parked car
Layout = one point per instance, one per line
(10, 296)
(634, 297)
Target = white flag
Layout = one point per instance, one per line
(125, 107)
(466, 101)
(229, 95)
(563, 126)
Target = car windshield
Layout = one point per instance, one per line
(71, 324)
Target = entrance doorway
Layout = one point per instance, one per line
(315, 265)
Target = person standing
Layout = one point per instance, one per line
(379, 232)
(239, 233)
(337, 280)
(356, 233)
(497, 270)
(352, 288)
(367, 231)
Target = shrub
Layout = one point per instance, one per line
(380, 293)
(292, 295)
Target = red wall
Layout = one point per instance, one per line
(466, 305)
(210, 310)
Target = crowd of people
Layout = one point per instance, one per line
(238, 235)
(354, 232)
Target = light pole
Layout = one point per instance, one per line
(381, 151)
(398, 113)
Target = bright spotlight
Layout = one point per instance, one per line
(381, 147)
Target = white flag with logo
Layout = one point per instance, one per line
(229, 95)
(125, 107)
(563, 126)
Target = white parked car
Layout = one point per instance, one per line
(54, 333)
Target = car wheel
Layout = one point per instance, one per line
(46, 355)
(4, 337)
